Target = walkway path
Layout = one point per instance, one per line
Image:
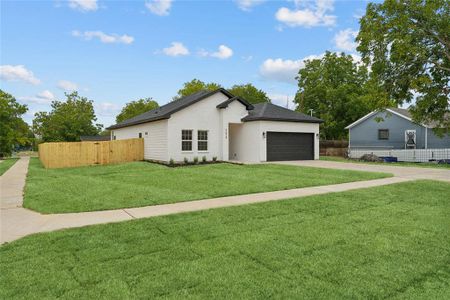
(19, 222)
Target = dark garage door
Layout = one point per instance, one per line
(289, 146)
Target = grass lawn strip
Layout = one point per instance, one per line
(141, 183)
(395, 164)
(384, 242)
(6, 164)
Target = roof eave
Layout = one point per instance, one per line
(318, 121)
(118, 126)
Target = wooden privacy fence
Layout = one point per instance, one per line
(75, 154)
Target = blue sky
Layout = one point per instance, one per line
(116, 51)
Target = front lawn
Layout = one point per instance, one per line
(6, 164)
(385, 242)
(395, 164)
(142, 183)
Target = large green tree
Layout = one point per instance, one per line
(134, 108)
(13, 130)
(334, 87)
(67, 121)
(407, 45)
(250, 93)
(195, 86)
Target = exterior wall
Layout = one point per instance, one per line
(245, 142)
(155, 141)
(203, 115)
(265, 126)
(365, 134)
(436, 142)
(230, 116)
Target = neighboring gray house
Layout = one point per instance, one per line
(395, 131)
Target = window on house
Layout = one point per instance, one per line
(114, 137)
(186, 140)
(383, 134)
(202, 143)
(140, 135)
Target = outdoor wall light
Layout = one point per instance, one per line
(317, 135)
(264, 134)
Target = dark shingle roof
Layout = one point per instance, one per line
(165, 111)
(272, 112)
(94, 138)
(244, 102)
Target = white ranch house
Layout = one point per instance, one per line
(218, 124)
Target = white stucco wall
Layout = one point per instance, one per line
(245, 142)
(203, 115)
(155, 141)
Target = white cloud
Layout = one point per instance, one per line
(284, 100)
(159, 7)
(345, 40)
(283, 70)
(107, 109)
(247, 5)
(176, 49)
(223, 52)
(67, 86)
(17, 73)
(83, 5)
(103, 37)
(308, 14)
(44, 97)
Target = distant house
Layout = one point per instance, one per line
(95, 138)
(218, 124)
(396, 130)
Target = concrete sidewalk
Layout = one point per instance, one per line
(17, 222)
(12, 183)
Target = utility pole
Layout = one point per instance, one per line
(287, 101)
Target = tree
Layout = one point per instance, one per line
(334, 88)
(67, 121)
(195, 86)
(250, 93)
(134, 108)
(13, 130)
(407, 45)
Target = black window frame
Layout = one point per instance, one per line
(202, 140)
(140, 135)
(186, 140)
(380, 135)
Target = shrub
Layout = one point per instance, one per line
(186, 160)
(171, 162)
(215, 158)
(204, 159)
(196, 160)
(370, 158)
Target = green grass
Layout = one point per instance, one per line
(141, 183)
(385, 242)
(396, 164)
(6, 164)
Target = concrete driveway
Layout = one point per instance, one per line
(401, 172)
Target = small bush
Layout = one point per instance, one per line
(215, 158)
(171, 162)
(196, 160)
(370, 158)
(186, 160)
(204, 159)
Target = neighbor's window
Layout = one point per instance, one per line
(383, 134)
(186, 140)
(202, 136)
(140, 135)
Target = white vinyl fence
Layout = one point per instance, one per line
(410, 155)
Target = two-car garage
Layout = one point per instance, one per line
(289, 146)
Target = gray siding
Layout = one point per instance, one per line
(365, 134)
